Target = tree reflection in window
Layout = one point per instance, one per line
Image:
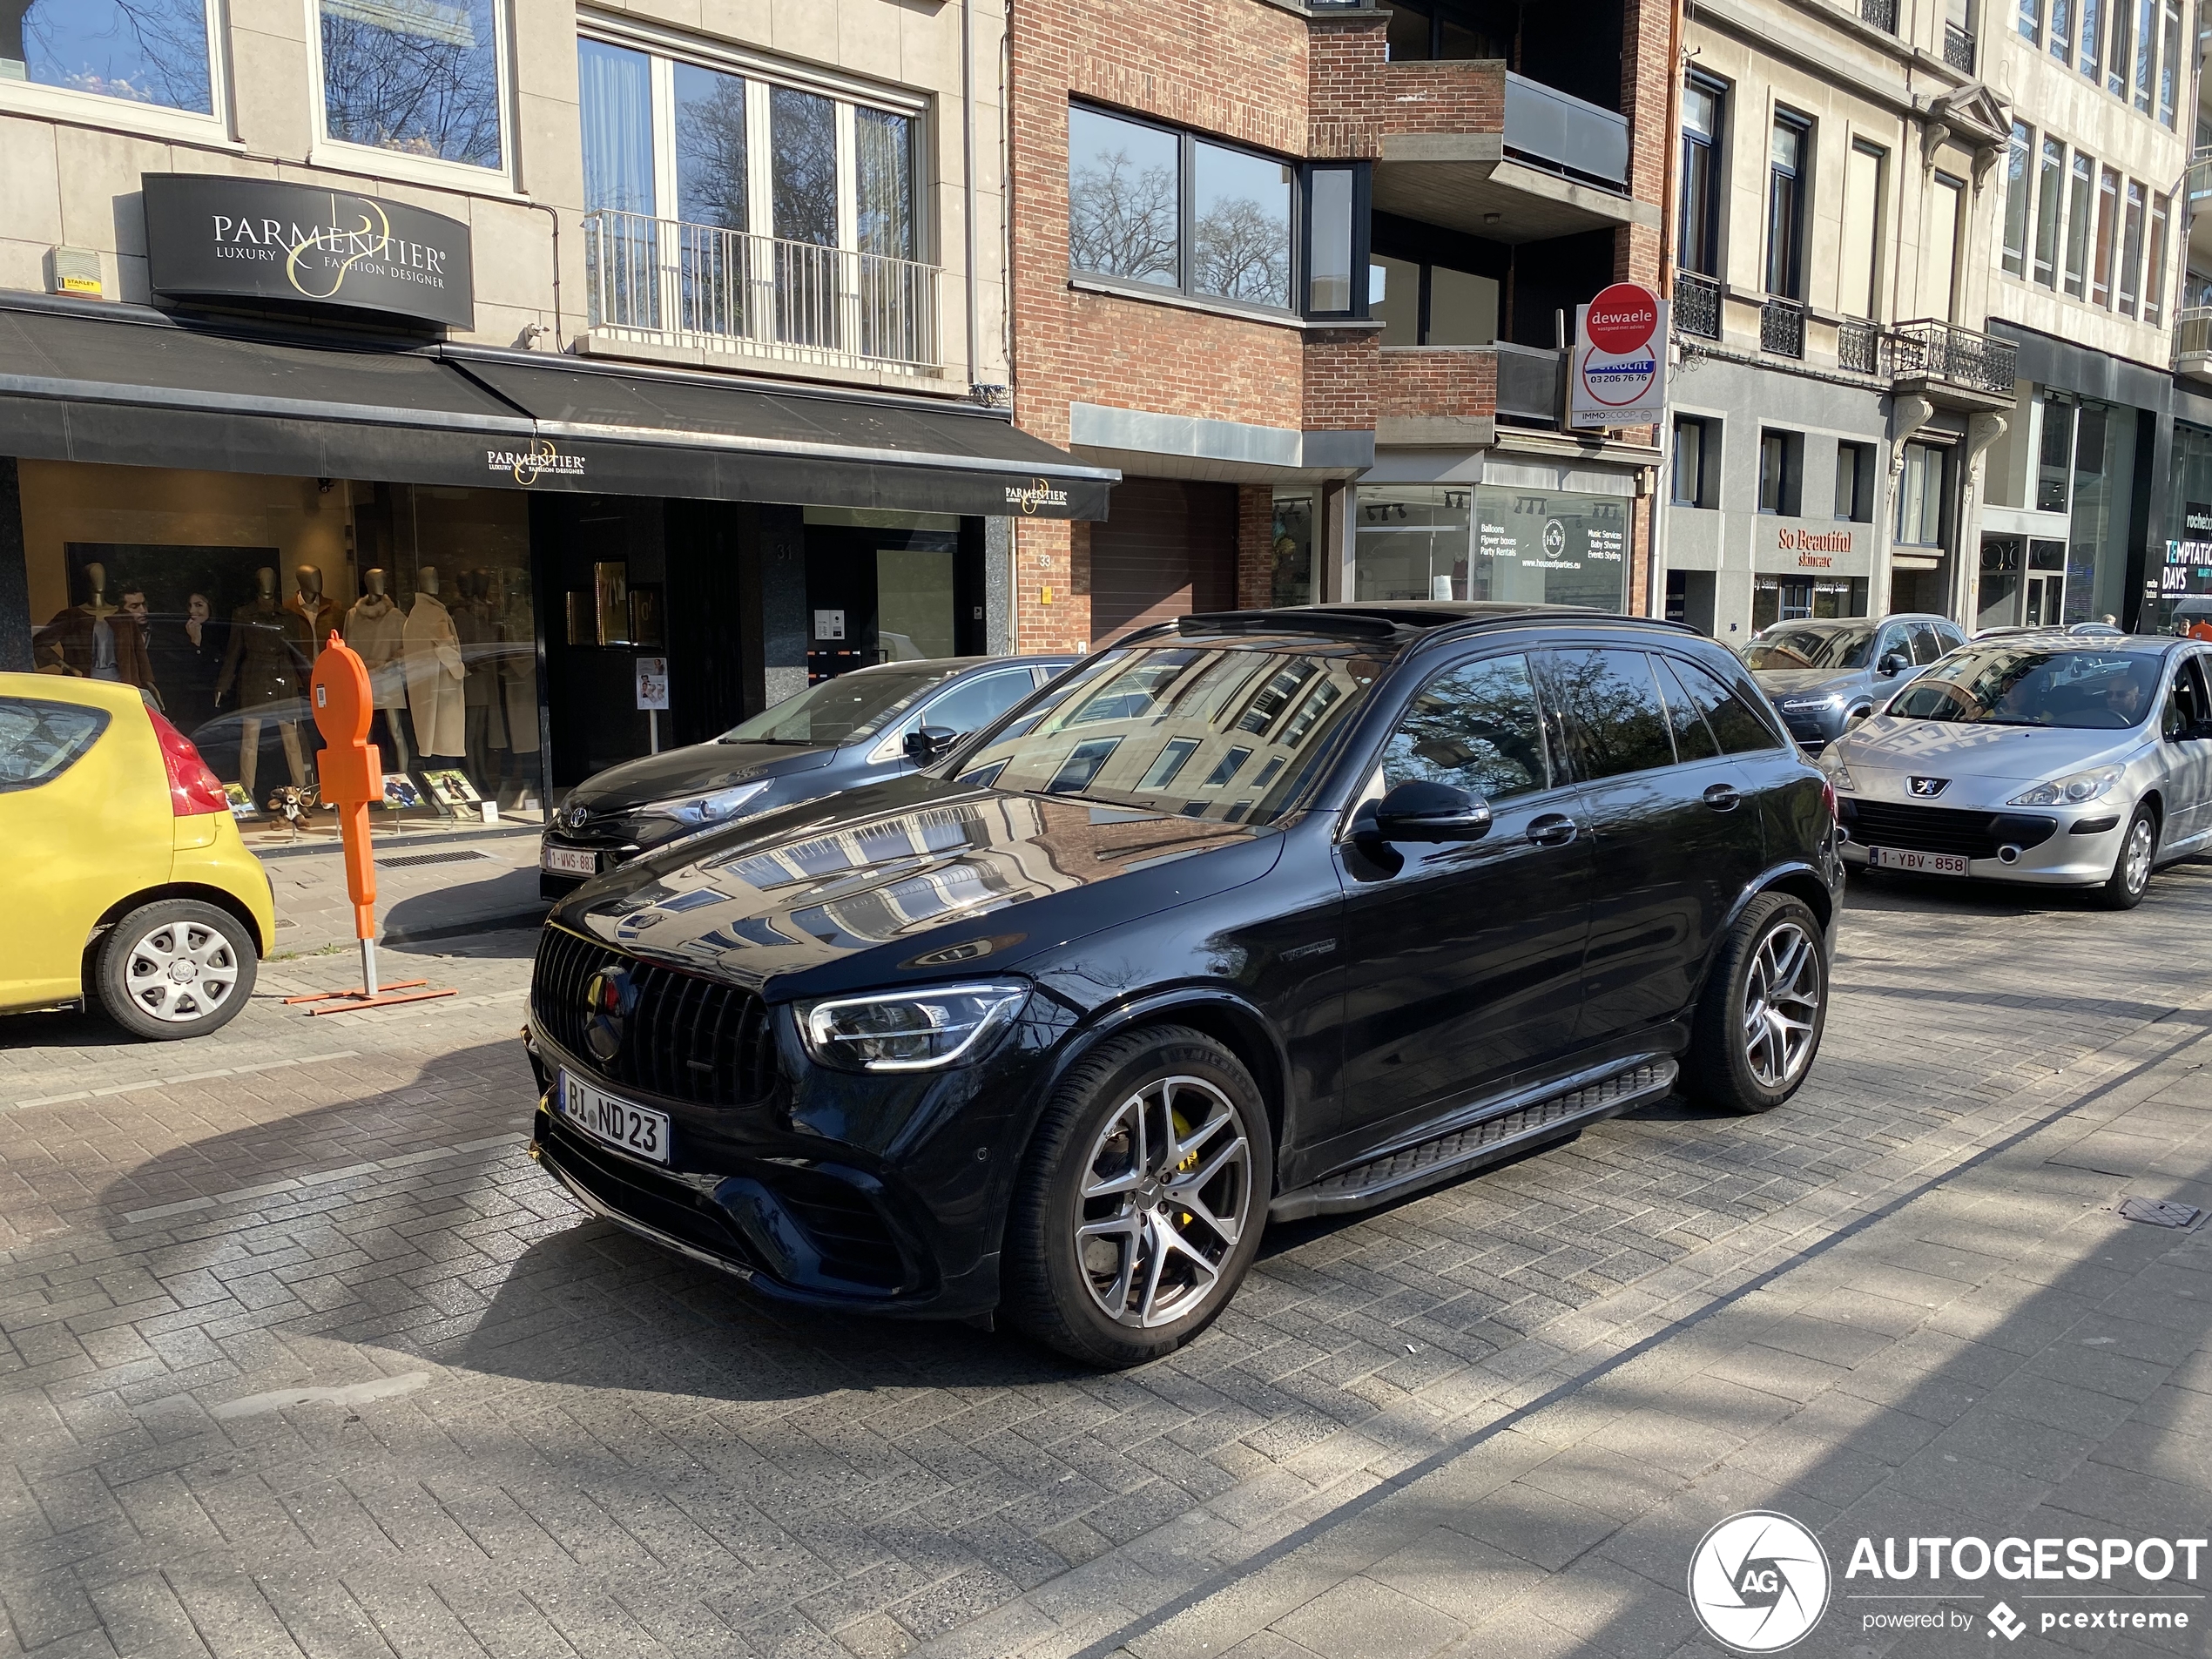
(1241, 233)
(1477, 727)
(147, 51)
(419, 76)
(1124, 199)
(1612, 707)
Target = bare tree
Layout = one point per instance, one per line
(1242, 253)
(153, 51)
(710, 149)
(1122, 223)
(431, 94)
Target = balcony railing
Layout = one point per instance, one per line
(2193, 334)
(1927, 349)
(2200, 176)
(1781, 328)
(1531, 381)
(1958, 47)
(1549, 125)
(666, 282)
(1858, 345)
(1698, 305)
(1881, 13)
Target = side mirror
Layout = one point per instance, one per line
(1420, 810)
(929, 743)
(1892, 664)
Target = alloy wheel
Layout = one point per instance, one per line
(1164, 1197)
(181, 972)
(2138, 855)
(1781, 1002)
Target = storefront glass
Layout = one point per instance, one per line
(1292, 546)
(1490, 542)
(1794, 598)
(213, 592)
(2186, 570)
(2096, 566)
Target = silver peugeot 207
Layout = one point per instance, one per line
(2056, 759)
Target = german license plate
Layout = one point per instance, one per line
(568, 860)
(638, 1131)
(1891, 858)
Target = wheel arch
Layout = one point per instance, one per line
(222, 899)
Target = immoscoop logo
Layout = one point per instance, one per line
(1758, 1582)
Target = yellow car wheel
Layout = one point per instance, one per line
(176, 968)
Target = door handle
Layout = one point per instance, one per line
(1722, 797)
(1553, 829)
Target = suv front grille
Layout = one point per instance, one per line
(1941, 829)
(689, 1038)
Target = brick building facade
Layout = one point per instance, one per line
(1369, 406)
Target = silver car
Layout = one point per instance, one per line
(2056, 759)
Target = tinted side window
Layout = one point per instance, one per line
(1893, 639)
(1478, 727)
(2185, 704)
(40, 740)
(1735, 719)
(1926, 646)
(1613, 712)
(1949, 638)
(973, 705)
(1694, 740)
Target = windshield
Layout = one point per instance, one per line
(839, 710)
(1791, 647)
(2092, 690)
(1229, 734)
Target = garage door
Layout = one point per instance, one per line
(1169, 548)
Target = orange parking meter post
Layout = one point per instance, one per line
(351, 774)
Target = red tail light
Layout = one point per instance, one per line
(1828, 795)
(193, 788)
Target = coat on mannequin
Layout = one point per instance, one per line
(94, 640)
(473, 621)
(314, 608)
(431, 651)
(376, 629)
(266, 665)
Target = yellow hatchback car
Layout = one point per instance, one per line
(125, 882)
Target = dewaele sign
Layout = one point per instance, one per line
(210, 237)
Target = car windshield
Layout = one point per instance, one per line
(1800, 647)
(2025, 684)
(838, 710)
(1230, 733)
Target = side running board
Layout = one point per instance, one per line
(1506, 1130)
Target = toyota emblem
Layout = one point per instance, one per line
(1926, 787)
(575, 817)
(608, 1000)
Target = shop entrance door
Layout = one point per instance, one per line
(2046, 584)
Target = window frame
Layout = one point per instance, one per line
(37, 101)
(1711, 152)
(1558, 757)
(346, 155)
(2050, 213)
(1702, 494)
(1790, 481)
(1861, 459)
(1799, 178)
(2017, 223)
(1938, 457)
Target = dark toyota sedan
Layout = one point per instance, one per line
(858, 728)
(1251, 916)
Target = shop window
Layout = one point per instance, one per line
(1855, 481)
(1780, 467)
(143, 51)
(1290, 549)
(1920, 495)
(1787, 598)
(1694, 460)
(1490, 542)
(425, 79)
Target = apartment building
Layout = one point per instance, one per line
(2089, 491)
(1838, 178)
(521, 341)
(1298, 271)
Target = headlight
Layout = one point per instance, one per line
(909, 1030)
(1813, 704)
(2075, 790)
(1838, 773)
(717, 806)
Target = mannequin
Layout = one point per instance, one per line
(517, 673)
(268, 645)
(431, 651)
(87, 641)
(375, 628)
(310, 604)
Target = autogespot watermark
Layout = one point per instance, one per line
(1759, 1582)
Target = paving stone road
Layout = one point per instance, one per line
(304, 1356)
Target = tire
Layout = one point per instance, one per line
(2130, 879)
(175, 968)
(1063, 1291)
(1746, 1054)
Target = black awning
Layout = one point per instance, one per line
(126, 386)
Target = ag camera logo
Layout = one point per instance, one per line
(1758, 1582)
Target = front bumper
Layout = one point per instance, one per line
(2039, 846)
(605, 855)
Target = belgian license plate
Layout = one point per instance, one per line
(638, 1131)
(568, 860)
(1891, 858)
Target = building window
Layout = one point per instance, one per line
(1699, 207)
(1240, 241)
(1424, 304)
(2092, 26)
(2145, 53)
(2019, 188)
(2061, 30)
(2116, 48)
(142, 51)
(420, 79)
(1779, 467)
(2131, 250)
(1860, 294)
(2049, 210)
(1855, 481)
(1290, 549)
(2108, 229)
(1331, 206)
(1124, 199)
(2031, 22)
(1693, 460)
(2154, 271)
(1919, 496)
(1790, 159)
(2170, 62)
(2078, 206)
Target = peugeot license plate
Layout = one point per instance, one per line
(568, 860)
(1891, 858)
(638, 1131)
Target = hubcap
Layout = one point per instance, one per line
(1781, 1002)
(181, 972)
(2139, 852)
(1164, 1200)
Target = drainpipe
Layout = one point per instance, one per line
(559, 343)
(1654, 597)
(968, 177)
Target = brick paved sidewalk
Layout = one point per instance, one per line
(437, 885)
(1996, 1353)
